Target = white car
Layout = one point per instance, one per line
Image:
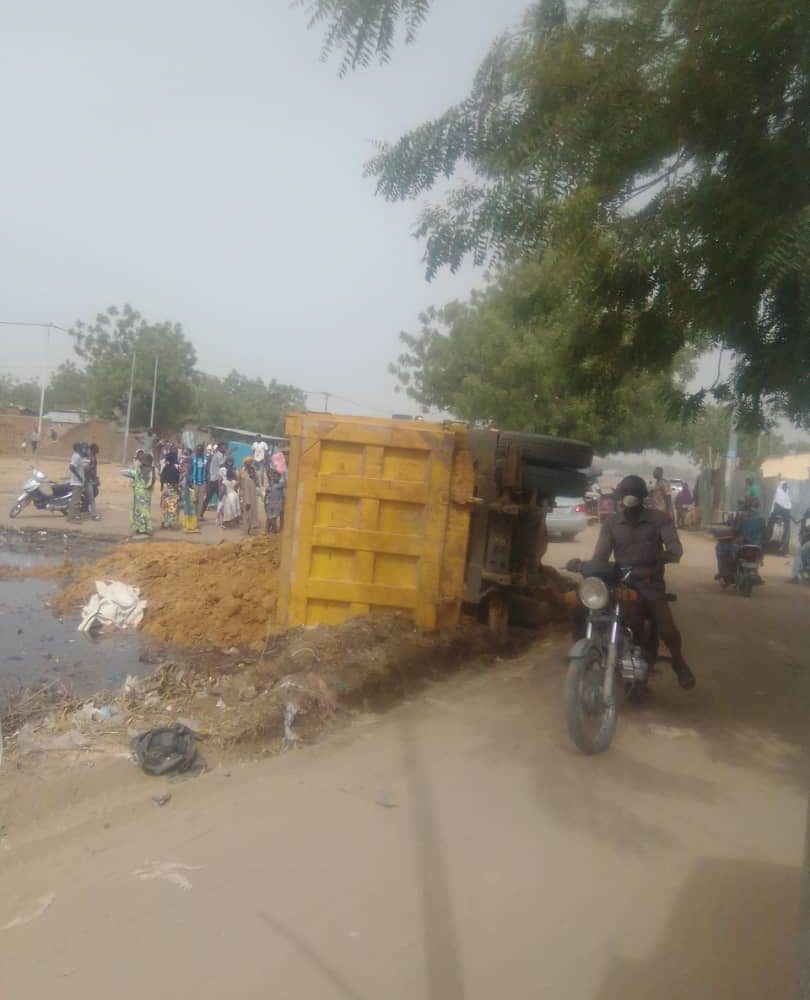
(568, 518)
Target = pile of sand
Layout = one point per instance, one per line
(199, 596)
(104, 433)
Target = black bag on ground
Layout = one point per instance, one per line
(170, 748)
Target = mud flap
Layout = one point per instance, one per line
(577, 651)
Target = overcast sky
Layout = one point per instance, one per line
(197, 160)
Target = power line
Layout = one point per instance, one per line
(343, 399)
(42, 326)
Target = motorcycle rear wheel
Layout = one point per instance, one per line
(745, 584)
(591, 723)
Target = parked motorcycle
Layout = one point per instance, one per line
(612, 660)
(44, 494)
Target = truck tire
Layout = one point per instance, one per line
(539, 449)
(551, 483)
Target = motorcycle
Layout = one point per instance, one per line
(738, 565)
(36, 492)
(612, 660)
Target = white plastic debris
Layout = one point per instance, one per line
(114, 603)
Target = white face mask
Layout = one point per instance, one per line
(631, 501)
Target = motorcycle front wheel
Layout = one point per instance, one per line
(19, 507)
(591, 723)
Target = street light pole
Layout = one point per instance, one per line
(42, 380)
(129, 407)
(154, 396)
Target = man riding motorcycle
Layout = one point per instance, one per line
(646, 539)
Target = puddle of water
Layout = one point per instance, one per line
(36, 647)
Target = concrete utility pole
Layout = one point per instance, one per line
(42, 380)
(129, 408)
(731, 460)
(154, 396)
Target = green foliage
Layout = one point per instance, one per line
(503, 358)
(248, 403)
(19, 393)
(706, 438)
(664, 145)
(364, 29)
(106, 347)
(183, 394)
(68, 389)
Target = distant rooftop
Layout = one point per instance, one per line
(65, 416)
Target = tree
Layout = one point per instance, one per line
(706, 438)
(365, 28)
(68, 388)
(665, 143)
(106, 347)
(19, 393)
(247, 403)
(503, 358)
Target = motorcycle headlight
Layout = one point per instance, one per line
(593, 593)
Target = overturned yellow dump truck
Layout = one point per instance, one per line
(414, 517)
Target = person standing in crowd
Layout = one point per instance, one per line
(77, 471)
(34, 440)
(215, 463)
(188, 493)
(781, 511)
(199, 478)
(274, 501)
(249, 496)
(683, 501)
(752, 491)
(230, 510)
(92, 483)
(170, 493)
(661, 498)
(143, 482)
(259, 449)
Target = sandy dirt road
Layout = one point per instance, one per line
(455, 847)
(114, 504)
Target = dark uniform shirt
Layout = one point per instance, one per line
(640, 544)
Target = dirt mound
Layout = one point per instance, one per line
(104, 433)
(199, 596)
(13, 430)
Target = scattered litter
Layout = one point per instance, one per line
(169, 871)
(305, 649)
(132, 685)
(290, 712)
(33, 912)
(114, 603)
(169, 748)
(161, 800)
(92, 713)
(386, 800)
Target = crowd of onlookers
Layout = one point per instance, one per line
(192, 483)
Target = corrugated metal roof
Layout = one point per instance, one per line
(65, 416)
(244, 433)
